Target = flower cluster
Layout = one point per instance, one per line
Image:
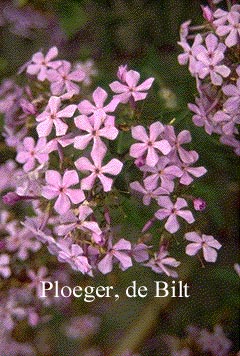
(213, 59)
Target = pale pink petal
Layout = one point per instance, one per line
(139, 133)
(193, 248)
(132, 78)
(113, 167)
(85, 107)
(172, 224)
(99, 97)
(70, 178)
(62, 204)
(118, 87)
(68, 111)
(145, 85)
(75, 195)
(106, 182)
(106, 264)
(138, 150)
(87, 183)
(83, 164)
(209, 254)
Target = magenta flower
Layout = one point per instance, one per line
(39, 64)
(161, 263)
(119, 251)
(150, 144)
(232, 29)
(171, 211)
(74, 256)
(5, 270)
(71, 222)
(29, 153)
(207, 243)
(99, 97)
(113, 167)
(177, 141)
(52, 116)
(164, 171)
(130, 89)
(58, 187)
(62, 80)
(210, 59)
(95, 132)
(149, 191)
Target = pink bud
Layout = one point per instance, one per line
(148, 225)
(207, 13)
(139, 162)
(11, 198)
(199, 204)
(121, 73)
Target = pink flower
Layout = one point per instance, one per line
(94, 131)
(99, 97)
(161, 263)
(210, 59)
(150, 144)
(130, 89)
(29, 153)
(52, 116)
(71, 222)
(36, 278)
(207, 243)
(149, 191)
(62, 79)
(5, 270)
(40, 64)
(119, 251)
(165, 171)
(171, 211)
(59, 187)
(199, 204)
(74, 256)
(232, 29)
(113, 167)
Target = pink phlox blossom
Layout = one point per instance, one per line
(13, 138)
(89, 71)
(37, 225)
(150, 144)
(149, 190)
(130, 89)
(94, 131)
(189, 55)
(20, 241)
(232, 104)
(176, 143)
(57, 144)
(227, 122)
(62, 80)
(10, 312)
(59, 187)
(205, 242)
(210, 59)
(30, 183)
(8, 172)
(97, 170)
(118, 252)
(216, 343)
(98, 108)
(29, 152)
(184, 30)
(5, 270)
(73, 255)
(163, 170)
(71, 222)
(232, 142)
(39, 64)
(189, 172)
(172, 211)
(52, 116)
(202, 116)
(36, 278)
(199, 204)
(121, 73)
(161, 263)
(140, 252)
(231, 29)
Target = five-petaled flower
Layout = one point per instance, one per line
(59, 187)
(205, 242)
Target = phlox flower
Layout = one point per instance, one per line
(210, 59)
(52, 116)
(119, 251)
(161, 263)
(232, 29)
(59, 187)
(130, 88)
(94, 131)
(97, 170)
(28, 153)
(62, 80)
(5, 270)
(205, 242)
(39, 64)
(149, 191)
(73, 255)
(172, 211)
(99, 97)
(149, 144)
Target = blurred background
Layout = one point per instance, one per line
(144, 35)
